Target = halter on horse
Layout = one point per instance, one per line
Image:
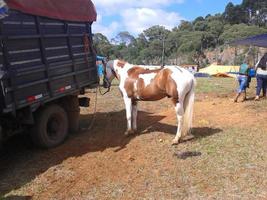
(138, 83)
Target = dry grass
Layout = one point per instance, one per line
(226, 159)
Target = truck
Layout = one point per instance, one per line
(46, 61)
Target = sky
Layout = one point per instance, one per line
(135, 16)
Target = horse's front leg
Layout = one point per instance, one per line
(128, 108)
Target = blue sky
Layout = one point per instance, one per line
(135, 16)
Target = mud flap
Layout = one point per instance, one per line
(71, 105)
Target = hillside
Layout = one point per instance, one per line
(230, 55)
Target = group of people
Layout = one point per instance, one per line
(244, 78)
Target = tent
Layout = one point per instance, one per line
(257, 40)
(70, 10)
(221, 70)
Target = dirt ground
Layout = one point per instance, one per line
(226, 158)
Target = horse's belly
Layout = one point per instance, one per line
(150, 96)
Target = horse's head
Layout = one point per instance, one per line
(109, 74)
(112, 69)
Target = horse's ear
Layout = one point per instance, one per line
(121, 63)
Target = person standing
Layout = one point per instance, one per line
(100, 62)
(261, 76)
(243, 78)
(3, 9)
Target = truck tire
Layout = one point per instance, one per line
(51, 127)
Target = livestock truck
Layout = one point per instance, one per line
(46, 61)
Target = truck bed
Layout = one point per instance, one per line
(42, 59)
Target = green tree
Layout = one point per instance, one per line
(188, 41)
(229, 13)
(256, 11)
(185, 26)
(156, 32)
(238, 31)
(235, 14)
(198, 19)
(200, 26)
(102, 45)
(157, 38)
(123, 37)
(215, 28)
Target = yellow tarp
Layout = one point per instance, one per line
(220, 70)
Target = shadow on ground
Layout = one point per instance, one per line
(17, 198)
(21, 162)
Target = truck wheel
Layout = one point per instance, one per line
(51, 127)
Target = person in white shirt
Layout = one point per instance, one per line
(261, 75)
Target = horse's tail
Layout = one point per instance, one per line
(188, 108)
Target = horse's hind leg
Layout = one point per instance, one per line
(179, 113)
(128, 108)
(134, 115)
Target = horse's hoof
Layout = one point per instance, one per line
(188, 137)
(129, 132)
(175, 142)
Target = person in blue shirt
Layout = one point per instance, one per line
(243, 80)
(100, 62)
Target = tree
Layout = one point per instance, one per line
(123, 37)
(215, 29)
(256, 11)
(239, 31)
(155, 32)
(157, 36)
(141, 41)
(102, 45)
(198, 19)
(188, 41)
(235, 14)
(200, 26)
(185, 26)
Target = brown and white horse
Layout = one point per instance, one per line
(142, 83)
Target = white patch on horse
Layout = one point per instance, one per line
(182, 82)
(184, 86)
(135, 85)
(135, 89)
(150, 67)
(147, 78)
(123, 73)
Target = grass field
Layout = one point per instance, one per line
(226, 158)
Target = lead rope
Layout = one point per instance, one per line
(86, 51)
(95, 107)
(104, 92)
(94, 115)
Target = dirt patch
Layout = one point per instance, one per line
(226, 158)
